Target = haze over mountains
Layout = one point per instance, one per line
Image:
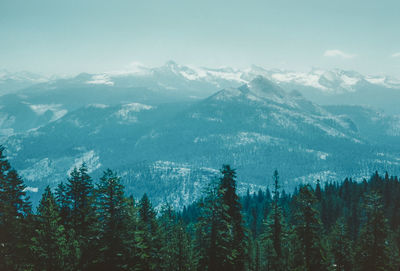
(167, 130)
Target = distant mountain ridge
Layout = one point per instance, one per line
(172, 75)
(166, 142)
(325, 87)
(12, 81)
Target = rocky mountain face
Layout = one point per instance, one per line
(168, 130)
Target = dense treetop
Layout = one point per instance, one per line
(87, 224)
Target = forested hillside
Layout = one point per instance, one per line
(87, 224)
(168, 147)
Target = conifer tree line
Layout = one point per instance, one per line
(84, 224)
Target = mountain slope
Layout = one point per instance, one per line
(166, 147)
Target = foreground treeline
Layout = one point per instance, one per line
(87, 225)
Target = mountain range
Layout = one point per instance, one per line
(167, 130)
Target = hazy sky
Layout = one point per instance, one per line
(55, 36)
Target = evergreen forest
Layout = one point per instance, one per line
(87, 224)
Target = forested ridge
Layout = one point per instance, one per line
(87, 224)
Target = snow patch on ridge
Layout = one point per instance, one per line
(126, 111)
(324, 176)
(39, 170)
(90, 158)
(31, 189)
(101, 79)
(305, 79)
(349, 81)
(56, 109)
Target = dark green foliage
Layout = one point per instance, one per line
(220, 231)
(80, 194)
(237, 242)
(63, 202)
(373, 246)
(308, 232)
(81, 216)
(15, 212)
(341, 247)
(151, 235)
(336, 226)
(52, 247)
(112, 217)
(137, 249)
(212, 235)
(177, 246)
(272, 239)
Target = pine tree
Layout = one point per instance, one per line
(63, 202)
(318, 192)
(341, 247)
(15, 210)
(308, 231)
(235, 220)
(50, 244)
(148, 225)
(273, 237)
(138, 255)
(111, 212)
(177, 251)
(373, 251)
(212, 231)
(221, 233)
(81, 198)
(82, 217)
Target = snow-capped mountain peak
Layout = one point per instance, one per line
(265, 88)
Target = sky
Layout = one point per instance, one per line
(73, 36)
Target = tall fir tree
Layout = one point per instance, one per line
(80, 192)
(15, 213)
(374, 247)
(177, 248)
(112, 215)
(82, 218)
(220, 229)
(63, 202)
(212, 231)
(310, 253)
(238, 242)
(138, 250)
(273, 237)
(50, 244)
(341, 247)
(148, 225)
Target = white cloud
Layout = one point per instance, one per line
(338, 53)
(396, 54)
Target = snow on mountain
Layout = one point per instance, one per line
(90, 158)
(39, 170)
(285, 110)
(386, 81)
(331, 81)
(31, 189)
(145, 124)
(100, 79)
(305, 79)
(56, 109)
(22, 76)
(174, 76)
(128, 111)
(12, 81)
